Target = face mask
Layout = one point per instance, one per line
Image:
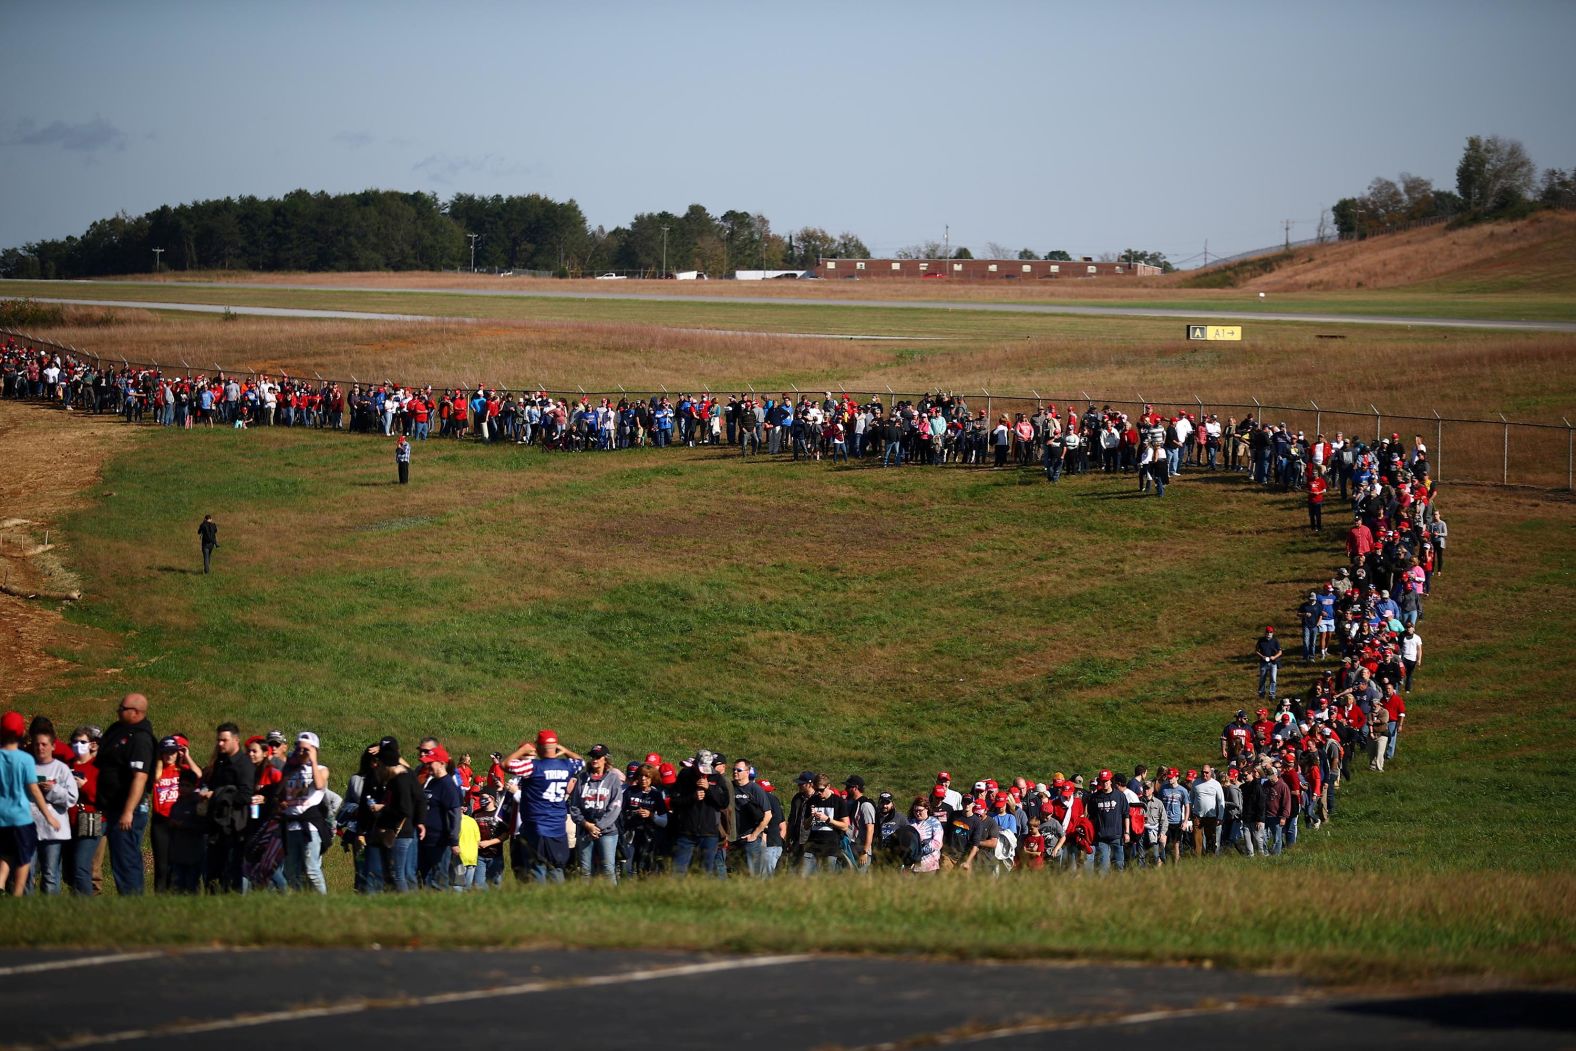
(82, 748)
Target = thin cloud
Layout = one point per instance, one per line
(443, 168)
(354, 139)
(90, 136)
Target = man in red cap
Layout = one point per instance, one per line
(950, 796)
(547, 773)
(1108, 811)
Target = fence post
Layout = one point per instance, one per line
(1318, 418)
(1504, 473)
(1258, 412)
(1570, 457)
(988, 415)
(1378, 422)
(1439, 446)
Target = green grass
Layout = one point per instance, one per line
(886, 622)
(829, 317)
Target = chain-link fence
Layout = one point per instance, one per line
(1498, 452)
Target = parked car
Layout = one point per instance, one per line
(610, 276)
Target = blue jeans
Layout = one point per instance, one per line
(1310, 636)
(1277, 837)
(1268, 672)
(1291, 830)
(80, 866)
(400, 860)
(893, 454)
(1394, 730)
(753, 855)
(125, 851)
(547, 857)
(598, 854)
(304, 859)
(45, 874)
(687, 847)
(1105, 853)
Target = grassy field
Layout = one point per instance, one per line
(834, 313)
(1403, 371)
(890, 623)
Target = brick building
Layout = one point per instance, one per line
(976, 269)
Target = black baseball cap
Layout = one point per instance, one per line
(854, 781)
(598, 751)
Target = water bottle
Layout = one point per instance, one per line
(256, 810)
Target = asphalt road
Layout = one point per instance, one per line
(275, 998)
(1246, 316)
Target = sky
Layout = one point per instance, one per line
(1088, 127)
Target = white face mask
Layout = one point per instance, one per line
(82, 748)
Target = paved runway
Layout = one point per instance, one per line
(275, 998)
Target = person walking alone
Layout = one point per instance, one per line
(402, 459)
(208, 531)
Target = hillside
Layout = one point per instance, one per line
(1536, 254)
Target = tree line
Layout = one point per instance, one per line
(390, 230)
(1495, 179)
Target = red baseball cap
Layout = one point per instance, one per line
(654, 758)
(1192, 774)
(1046, 808)
(1264, 711)
(1232, 774)
(12, 724)
(666, 774)
(943, 776)
(545, 737)
(1173, 772)
(1105, 775)
(939, 792)
(1001, 801)
(1269, 627)
(439, 754)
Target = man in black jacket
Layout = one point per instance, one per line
(208, 531)
(698, 802)
(227, 789)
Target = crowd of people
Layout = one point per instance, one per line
(932, 430)
(264, 812)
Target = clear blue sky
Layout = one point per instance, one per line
(1091, 127)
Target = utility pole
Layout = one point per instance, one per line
(664, 251)
(1286, 225)
(946, 242)
(474, 238)
(1206, 251)
(157, 252)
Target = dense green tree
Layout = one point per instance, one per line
(390, 230)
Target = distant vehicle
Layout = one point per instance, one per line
(611, 277)
(928, 276)
(786, 277)
(689, 275)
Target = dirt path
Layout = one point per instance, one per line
(49, 462)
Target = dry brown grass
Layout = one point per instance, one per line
(1545, 241)
(1402, 371)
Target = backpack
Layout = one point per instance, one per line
(1135, 813)
(906, 846)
